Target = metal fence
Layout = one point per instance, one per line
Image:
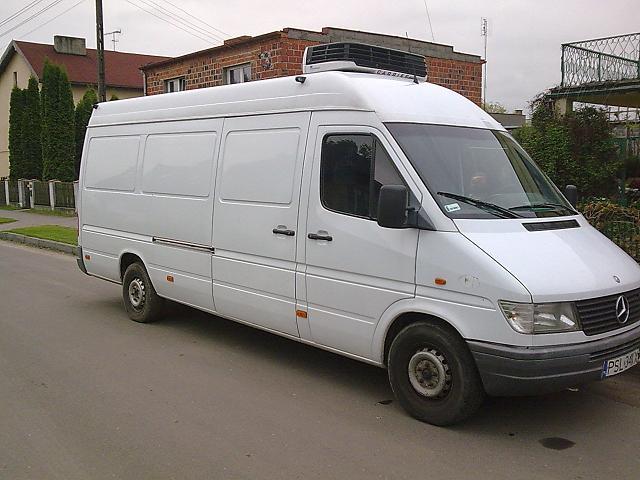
(601, 60)
(37, 193)
(64, 194)
(626, 235)
(41, 193)
(13, 192)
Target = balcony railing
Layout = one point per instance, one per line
(601, 60)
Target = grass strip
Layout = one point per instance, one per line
(56, 233)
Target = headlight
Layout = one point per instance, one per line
(540, 317)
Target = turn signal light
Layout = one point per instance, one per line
(170, 278)
(301, 314)
(87, 257)
(440, 281)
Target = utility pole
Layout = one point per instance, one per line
(484, 31)
(102, 92)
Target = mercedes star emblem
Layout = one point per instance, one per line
(622, 309)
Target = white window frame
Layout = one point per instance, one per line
(240, 69)
(179, 82)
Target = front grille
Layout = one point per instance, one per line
(368, 56)
(598, 315)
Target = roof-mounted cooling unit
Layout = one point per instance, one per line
(358, 57)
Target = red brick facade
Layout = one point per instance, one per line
(276, 54)
(462, 77)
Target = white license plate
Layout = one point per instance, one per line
(620, 364)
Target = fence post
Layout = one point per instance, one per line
(52, 194)
(6, 191)
(32, 194)
(21, 193)
(76, 190)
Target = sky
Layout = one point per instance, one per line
(523, 46)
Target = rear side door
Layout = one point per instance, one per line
(255, 219)
(355, 269)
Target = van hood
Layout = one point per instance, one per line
(555, 264)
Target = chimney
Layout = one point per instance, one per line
(518, 112)
(69, 45)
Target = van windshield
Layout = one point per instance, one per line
(476, 173)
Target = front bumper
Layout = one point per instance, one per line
(508, 370)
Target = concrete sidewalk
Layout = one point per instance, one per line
(27, 219)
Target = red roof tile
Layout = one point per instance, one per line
(121, 69)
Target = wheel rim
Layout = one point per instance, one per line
(137, 293)
(429, 373)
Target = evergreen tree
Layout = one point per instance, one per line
(32, 133)
(17, 107)
(83, 114)
(58, 133)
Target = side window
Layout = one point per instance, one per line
(353, 168)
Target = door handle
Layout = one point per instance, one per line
(315, 236)
(284, 231)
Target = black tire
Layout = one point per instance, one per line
(461, 392)
(150, 305)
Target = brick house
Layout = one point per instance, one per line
(279, 53)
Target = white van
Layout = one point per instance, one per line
(361, 210)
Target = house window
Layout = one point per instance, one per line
(237, 74)
(15, 79)
(175, 85)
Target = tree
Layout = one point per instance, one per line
(17, 108)
(573, 149)
(82, 116)
(32, 133)
(58, 134)
(494, 107)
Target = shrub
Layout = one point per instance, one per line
(58, 134)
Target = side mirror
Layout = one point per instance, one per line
(571, 192)
(392, 206)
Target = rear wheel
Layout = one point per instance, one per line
(433, 374)
(141, 301)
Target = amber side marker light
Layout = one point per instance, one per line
(301, 314)
(87, 257)
(440, 281)
(170, 278)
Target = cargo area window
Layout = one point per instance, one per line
(237, 74)
(353, 168)
(175, 85)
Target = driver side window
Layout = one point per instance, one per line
(353, 168)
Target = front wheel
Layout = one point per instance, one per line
(433, 374)
(141, 301)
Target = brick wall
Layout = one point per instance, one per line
(271, 58)
(462, 77)
(278, 55)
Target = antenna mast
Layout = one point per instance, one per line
(484, 32)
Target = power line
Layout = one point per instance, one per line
(208, 40)
(196, 18)
(52, 19)
(187, 23)
(19, 12)
(51, 5)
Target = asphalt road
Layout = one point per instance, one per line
(86, 393)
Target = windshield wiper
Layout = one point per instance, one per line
(555, 206)
(504, 212)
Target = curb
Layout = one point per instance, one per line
(40, 243)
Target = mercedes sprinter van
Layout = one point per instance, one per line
(365, 211)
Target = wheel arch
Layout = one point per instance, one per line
(400, 315)
(127, 258)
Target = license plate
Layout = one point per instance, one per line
(620, 364)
